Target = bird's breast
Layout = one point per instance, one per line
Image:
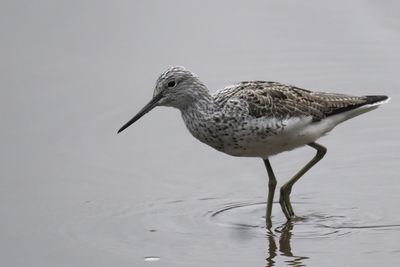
(249, 137)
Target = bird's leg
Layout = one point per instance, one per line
(286, 189)
(271, 191)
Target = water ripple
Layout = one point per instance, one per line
(153, 231)
(311, 225)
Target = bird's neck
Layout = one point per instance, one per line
(201, 105)
(199, 117)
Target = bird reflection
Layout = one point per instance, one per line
(285, 249)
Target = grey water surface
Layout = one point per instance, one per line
(74, 193)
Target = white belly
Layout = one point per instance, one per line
(263, 137)
(295, 132)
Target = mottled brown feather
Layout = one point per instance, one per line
(267, 99)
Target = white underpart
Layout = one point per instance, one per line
(299, 131)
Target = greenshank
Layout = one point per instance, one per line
(257, 119)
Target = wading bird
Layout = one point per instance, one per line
(257, 119)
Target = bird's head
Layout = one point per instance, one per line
(176, 87)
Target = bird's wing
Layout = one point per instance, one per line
(267, 99)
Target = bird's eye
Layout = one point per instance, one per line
(171, 84)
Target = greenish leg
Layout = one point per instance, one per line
(271, 192)
(286, 189)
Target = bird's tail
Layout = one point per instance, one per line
(371, 102)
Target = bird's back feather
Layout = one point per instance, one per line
(272, 99)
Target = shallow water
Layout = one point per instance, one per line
(73, 193)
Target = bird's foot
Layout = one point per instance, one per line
(294, 218)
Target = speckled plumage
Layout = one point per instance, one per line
(272, 99)
(257, 118)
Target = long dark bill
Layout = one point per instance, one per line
(152, 104)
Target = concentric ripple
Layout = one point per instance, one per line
(310, 225)
(152, 231)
